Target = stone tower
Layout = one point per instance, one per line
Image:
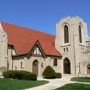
(71, 37)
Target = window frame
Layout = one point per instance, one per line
(80, 34)
(66, 34)
(21, 65)
(55, 62)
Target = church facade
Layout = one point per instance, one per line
(31, 50)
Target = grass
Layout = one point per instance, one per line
(81, 79)
(75, 86)
(10, 84)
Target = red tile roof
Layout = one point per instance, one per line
(23, 39)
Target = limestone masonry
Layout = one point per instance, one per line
(26, 49)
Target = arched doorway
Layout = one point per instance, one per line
(35, 67)
(88, 69)
(66, 66)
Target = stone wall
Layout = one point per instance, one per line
(3, 50)
(27, 61)
(73, 49)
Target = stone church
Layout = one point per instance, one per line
(31, 50)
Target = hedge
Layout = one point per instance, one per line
(49, 73)
(20, 74)
(58, 75)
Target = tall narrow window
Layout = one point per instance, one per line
(80, 34)
(66, 34)
(21, 64)
(55, 62)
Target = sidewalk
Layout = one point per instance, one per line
(53, 83)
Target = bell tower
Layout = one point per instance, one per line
(71, 37)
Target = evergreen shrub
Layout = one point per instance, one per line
(49, 72)
(58, 75)
(20, 74)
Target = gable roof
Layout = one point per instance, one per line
(23, 39)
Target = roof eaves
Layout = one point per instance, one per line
(54, 55)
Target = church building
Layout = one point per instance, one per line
(31, 50)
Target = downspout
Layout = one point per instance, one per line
(74, 52)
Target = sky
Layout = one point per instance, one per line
(43, 15)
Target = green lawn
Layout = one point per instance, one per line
(75, 86)
(81, 79)
(10, 84)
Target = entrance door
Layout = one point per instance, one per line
(88, 69)
(35, 67)
(66, 65)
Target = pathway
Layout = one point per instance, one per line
(53, 83)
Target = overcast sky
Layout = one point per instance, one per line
(43, 14)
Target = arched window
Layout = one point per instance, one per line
(80, 34)
(55, 62)
(66, 34)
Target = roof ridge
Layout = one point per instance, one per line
(26, 28)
